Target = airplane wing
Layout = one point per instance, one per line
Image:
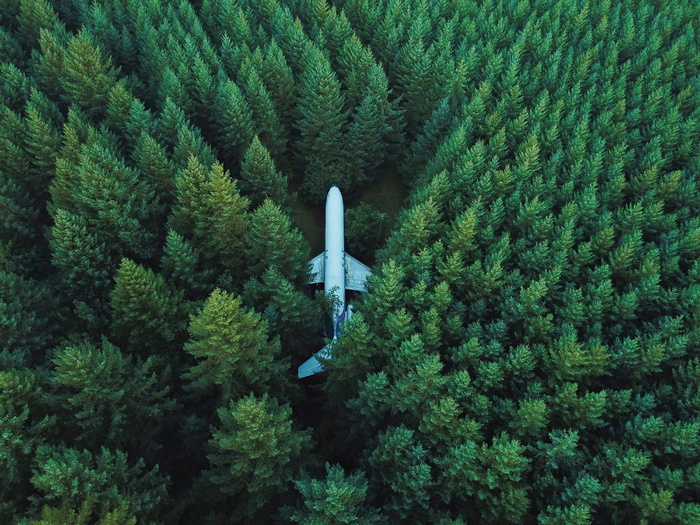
(317, 265)
(356, 274)
(312, 365)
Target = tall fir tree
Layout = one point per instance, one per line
(273, 242)
(234, 353)
(148, 315)
(321, 124)
(256, 452)
(260, 178)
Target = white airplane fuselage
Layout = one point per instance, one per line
(338, 271)
(334, 267)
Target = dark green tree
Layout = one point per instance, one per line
(321, 124)
(289, 312)
(28, 317)
(272, 241)
(233, 120)
(182, 266)
(234, 353)
(260, 179)
(366, 228)
(108, 398)
(337, 498)
(256, 452)
(147, 314)
(64, 476)
(87, 77)
(211, 212)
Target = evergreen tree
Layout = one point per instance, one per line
(67, 477)
(290, 314)
(233, 350)
(337, 498)
(368, 134)
(274, 243)
(255, 454)
(182, 266)
(267, 122)
(28, 317)
(211, 212)
(25, 424)
(33, 16)
(152, 160)
(233, 120)
(42, 143)
(366, 228)
(260, 179)
(321, 123)
(85, 265)
(107, 398)
(87, 78)
(147, 314)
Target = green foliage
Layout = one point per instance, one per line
(255, 454)
(28, 317)
(210, 212)
(337, 498)
(68, 477)
(87, 76)
(366, 228)
(147, 314)
(260, 179)
(233, 350)
(321, 123)
(527, 349)
(274, 243)
(289, 312)
(105, 395)
(86, 513)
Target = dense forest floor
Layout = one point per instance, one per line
(522, 176)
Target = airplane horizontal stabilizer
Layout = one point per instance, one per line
(312, 365)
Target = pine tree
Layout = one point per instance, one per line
(33, 16)
(260, 179)
(87, 77)
(268, 124)
(49, 68)
(366, 228)
(274, 243)
(28, 317)
(42, 143)
(147, 314)
(182, 266)
(107, 398)
(368, 134)
(290, 314)
(337, 498)
(233, 351)
(211, 213)
(233, 120)
(25, 421)
(255, 454)
(321, 123)
(152, 160)
(66, 476)
(85, 265)
(279, 81)
(119, 206)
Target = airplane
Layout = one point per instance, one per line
(338, 271)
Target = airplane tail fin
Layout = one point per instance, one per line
(312, 365)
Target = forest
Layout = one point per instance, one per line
(528, 350)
